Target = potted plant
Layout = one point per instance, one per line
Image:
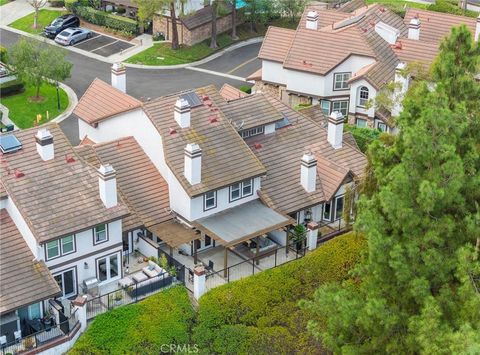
(173, 271)
(118, 298)
(29, 343)
(163, 262)
(299, 234)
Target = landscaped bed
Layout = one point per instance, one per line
(45, 18)
(141, 328)
(23, 110)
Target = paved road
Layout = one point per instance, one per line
(144, 83)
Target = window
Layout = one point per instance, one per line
(241, 189)
(208, 240)
(60, 247)
(67, 283)
(382, 126)
(363, 96)
(34, 311)
(252, 132)
(340, 81)
(361, 122)
(100, 234)
(338, 207)
(341, 106)
(107, 267)
(210, 200)
(327, 211)
(52, 250)
(325, 105)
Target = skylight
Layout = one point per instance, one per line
(9, 144)
(192, 99)
(283, 123)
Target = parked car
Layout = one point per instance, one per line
(61, 23)
(70, 36)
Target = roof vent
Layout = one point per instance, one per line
(18, 173)
(213, 119)
(69, 158)
(9, 144)
(172, 131)
(205, 97)
(257, 146)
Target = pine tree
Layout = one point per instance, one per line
(415, 291)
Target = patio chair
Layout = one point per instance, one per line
(3, 341)
(18, 335)
(210, 265)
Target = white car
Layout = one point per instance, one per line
(73, 35)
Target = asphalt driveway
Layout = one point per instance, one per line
(103, 45)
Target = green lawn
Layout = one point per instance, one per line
(140, 328)
(3, 2)
(45, 18)
(162, 54)
(23, 112)
(447, 6)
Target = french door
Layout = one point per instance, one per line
(67, 282)
(108, 267)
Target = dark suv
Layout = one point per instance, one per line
(61, 23)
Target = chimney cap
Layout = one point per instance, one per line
(415, 22)
(308, 157)
(182, 104)
(336, 116)
(106, 170)
(401, 66)
(118, 67)
(192, 148)
(313, 15)
(43, 134)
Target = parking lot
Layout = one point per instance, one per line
(103, 45)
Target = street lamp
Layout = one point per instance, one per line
(58, 97)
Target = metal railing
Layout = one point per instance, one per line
(33, 341)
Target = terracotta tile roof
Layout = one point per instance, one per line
(281, 153)
(102, 100)
(24, 281)
(257, 75)
(276, 44)
(226, 158)
(352, 5)
(434, 26)
(316, 114)
(410, 50)
(251, 111)
(3, 192)
(230, 92)
(86, 141)
(331, 175)
(143, 188)
(203, 16)
(55, 197)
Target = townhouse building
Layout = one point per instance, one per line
(340, 60)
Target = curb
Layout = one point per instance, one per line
(201, 61)
(72, 103)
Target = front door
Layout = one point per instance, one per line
(67, 282)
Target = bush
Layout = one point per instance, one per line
(3, 54)
(363, 136)
(70, 4)
(11, 87)
(450, 7)
(246, 89)
(260, 314)
(102, 18)
(57, 3)
(141, 328)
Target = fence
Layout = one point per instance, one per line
(131, 294)
(252, 266)
(42, 337)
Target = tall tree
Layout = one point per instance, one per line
(233, 3)
(214, 7)
(37, 5)
(173, 17)
(417, 289)
(36, 64)
(292, 8)
(147, 9)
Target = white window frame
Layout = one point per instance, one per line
(358, 119)
(344, 78)
(342, 197)
(382, 126)
(325, 110)
(96, 233)
(241, 185)
(206, 197)
(59, 247)
(340, 102)
(330, 212)
(362, 101)
(47, 249)
(61, 274)
(73, 245)
(252, 132)
(108, 267)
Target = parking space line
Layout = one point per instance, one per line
(106, 45)
(85, 41)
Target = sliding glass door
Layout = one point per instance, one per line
(108, 267)
(67, 282)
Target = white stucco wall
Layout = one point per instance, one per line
(273, 72)
(355, 95)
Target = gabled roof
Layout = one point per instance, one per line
(23, 280)
(352, 5)
(226, 158)
(230, 92)
(251, 111)
(101, 100)
(411, 50)
(434, 26)
(281, 153)
(56, 197)
(141, 185)
(276, 44)
(203, 16)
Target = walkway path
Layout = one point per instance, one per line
(13, 11)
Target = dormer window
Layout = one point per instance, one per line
(210, 200)
(340, 81)
(364, 95)
(241, 190)
(252, 132)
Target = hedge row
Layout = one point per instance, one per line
(102, 18)
(363, 136)
(260, 314)
(140, 328)
(11, 87)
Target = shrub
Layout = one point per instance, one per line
(57, 3)
(245, 88)
(102, 18)
(141, 328)
(3, 54)
(363, 136)
(70, 4)
(260, 314)
(450, 7)
(11, 87)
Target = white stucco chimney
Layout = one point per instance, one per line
(335, 129)
(414, 29)
(182, 113)
(44, 144)
(107, 184)
(193, 163)
(312, 20)
(477, 30)
(308, 172)
(401, 87)
(119, 77)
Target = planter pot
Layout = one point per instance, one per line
(118, 302)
